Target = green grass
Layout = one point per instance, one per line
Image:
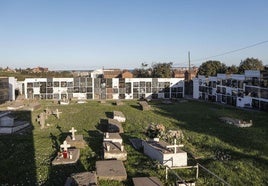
(26, 159)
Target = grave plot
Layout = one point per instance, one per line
(112, 137)
(111, 170)
(119, 116)
(83, 178)
(114, 126)
(166, 154)
(236, 122)
(67, 156)
(114, 150)
(146, 181)
(76, 141)
(144, 105)
(113, 147)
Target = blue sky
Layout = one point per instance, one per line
(88, 34)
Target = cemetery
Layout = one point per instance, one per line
(48, 156)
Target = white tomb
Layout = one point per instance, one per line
(166, 154)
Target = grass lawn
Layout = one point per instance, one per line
(238, 155)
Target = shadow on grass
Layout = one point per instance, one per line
(109, 114)
(138, 107)
(17, 157)
(94, 141)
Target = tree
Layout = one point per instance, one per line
(250, 64)
(232, 69)
(211, 68)
(162, 70)
(141, 73)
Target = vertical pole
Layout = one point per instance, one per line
(166, 173)
(189, 61)
(197, 171)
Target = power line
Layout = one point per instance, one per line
(232, 51)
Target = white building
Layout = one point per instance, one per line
(102, 88)
(242, 90)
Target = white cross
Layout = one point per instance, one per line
(73, 131)
(174, 146)
(65, 145)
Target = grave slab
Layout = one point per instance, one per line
(146, 181)
(60, 160)
(83, 178)
(111, 170)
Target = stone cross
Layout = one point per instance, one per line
(73, 131)
(57, 113)
(65, 145)
(174, 146)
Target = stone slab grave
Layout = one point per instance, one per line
(111, 170)
(114, 126)
(114, 150)
(76, 141)
(166, 154)
(144, 105)
(146, 181)
(236, 122)
(119, 116)
(83, 178)
(112, 137)
(67, 156)
(119, 102)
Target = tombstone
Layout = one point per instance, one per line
(76, 140)
(67, 156)
(119, 116)
(146, 181)
(114, 150)
(114, 126)
(42, 119)
(111, 170)
(144, 105)
(57, 113)
(83, 178)
(119, 102)
(112, 137)
(166, 154)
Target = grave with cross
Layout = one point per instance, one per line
(73, 133)
(175, 146)
(65, 147)
(76, 140)
(67, 156)
(161, 151)
(57, 113)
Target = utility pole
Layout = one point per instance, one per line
(189, 61)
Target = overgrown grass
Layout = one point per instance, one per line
(238, 155)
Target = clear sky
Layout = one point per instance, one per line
(91, 34)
